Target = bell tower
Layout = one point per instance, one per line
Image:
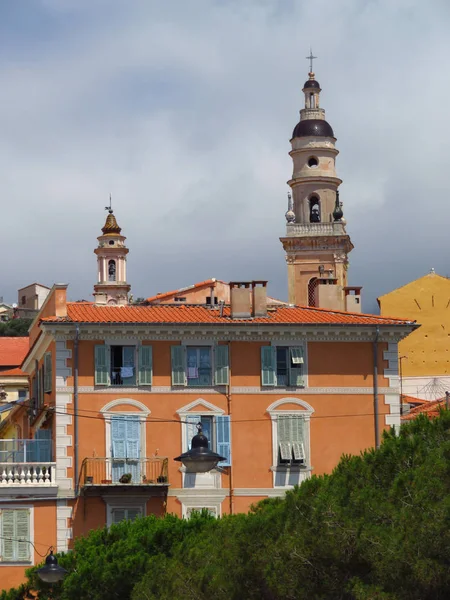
(316, 242)
(112, 287)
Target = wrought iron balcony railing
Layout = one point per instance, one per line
(124, 471)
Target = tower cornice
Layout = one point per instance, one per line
(314, 179)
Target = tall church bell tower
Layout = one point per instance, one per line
(316, 242)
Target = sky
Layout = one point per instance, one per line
(183, 111)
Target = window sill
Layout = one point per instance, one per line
(290, 468)
(15, 563)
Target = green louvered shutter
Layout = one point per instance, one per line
(178, 365)
(118, 515)
(23, 533)
(48, 375)
(268, 365)
(101, 364)
(221, 365)
(145, 365)
(8, 534)
(296, 367)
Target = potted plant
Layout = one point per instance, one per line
(126, 478)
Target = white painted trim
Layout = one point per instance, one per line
(108, 414)
(62, 419)
(262, 492)
(393, 398)
(26, 563)
(129, 401)
(63, 531)
(221, 389)
(305, 410)
(209, 408)
(273, 408)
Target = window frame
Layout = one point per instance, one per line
(129, 343)
(21, 563)
(275, 344)
(305, 411)
(114, 504)
(218, 370)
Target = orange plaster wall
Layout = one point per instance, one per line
(344, 364)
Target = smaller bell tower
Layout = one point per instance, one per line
(112, 287)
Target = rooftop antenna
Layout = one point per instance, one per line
(109, 208)
(310, 58)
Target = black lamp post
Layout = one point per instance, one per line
(51, 572)
(199, 459)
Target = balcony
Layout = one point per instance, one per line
(25, 465)
(119, 474)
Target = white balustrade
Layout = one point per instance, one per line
(22, 474)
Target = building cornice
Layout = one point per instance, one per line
(316, 332)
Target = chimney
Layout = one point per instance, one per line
(259, 297)
(241, 303)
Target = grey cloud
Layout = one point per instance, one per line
(184, 112)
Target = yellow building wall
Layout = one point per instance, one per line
(427, 301)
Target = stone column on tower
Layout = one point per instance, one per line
(316, 242)
(112, 287)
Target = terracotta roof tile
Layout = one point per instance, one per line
(430, 408)
(16, 372)
(188, 288)
(86, 312)
(13, 350)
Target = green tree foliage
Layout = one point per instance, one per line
(377, 528)
(15, 328)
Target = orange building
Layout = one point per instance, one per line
(117, 389)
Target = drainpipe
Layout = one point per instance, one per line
(75, 406)
(230, 468)
(375, 387)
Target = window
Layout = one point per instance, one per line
(15, 526)
(199, 366)
(212, 510)
(282, 366)
(208, 300)
(291, 440)
(216, 428)
(23, 394)
(180, 299)
(125, 514)
(24, 300)
(48, 373)
(313, 162)
(116, 365)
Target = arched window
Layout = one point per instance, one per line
(112, 270)
(314, 209)
(312, 101)
(312, 292)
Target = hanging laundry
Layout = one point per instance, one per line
(192, 372)
(126, 372)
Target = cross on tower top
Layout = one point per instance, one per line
(109, 208)
(310, 58)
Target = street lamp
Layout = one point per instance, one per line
(51, 572)
(199, 459)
